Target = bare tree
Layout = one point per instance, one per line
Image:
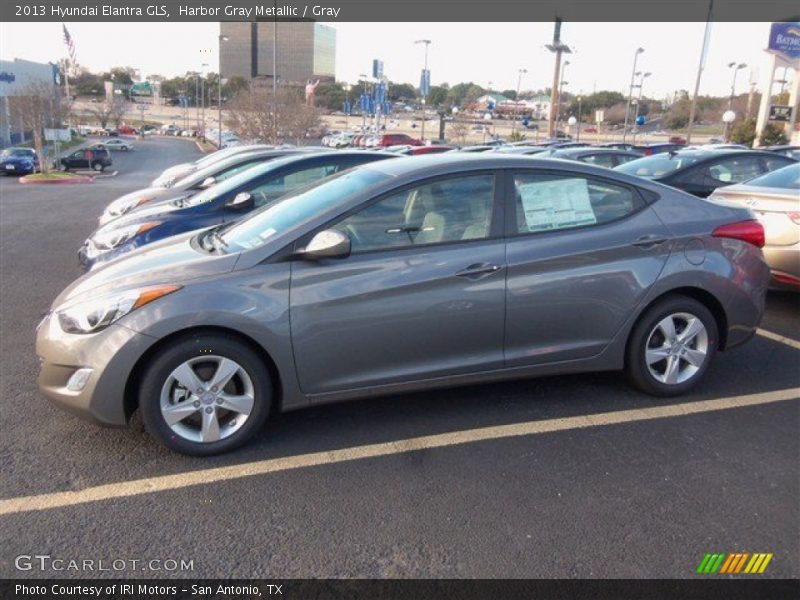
(36, 108)
(459, 129)
(254, 114)
(112, 111)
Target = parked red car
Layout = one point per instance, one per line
(397, 139)
(126, 130)
(676, 139)
(430, 149)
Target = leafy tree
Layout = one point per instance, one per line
(744, 132)
(510, 94)
(773, 135)
(437, 95)
(402, 91)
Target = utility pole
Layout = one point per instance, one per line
(630, 93)
(520, 73)
(701, 65)
(424, 84)
(558, 48)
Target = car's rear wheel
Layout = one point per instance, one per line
(98, 167)
(671, 346)
(205, 395)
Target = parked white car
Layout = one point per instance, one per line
(118, 144)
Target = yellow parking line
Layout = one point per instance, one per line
(778, 338)
(164, 483)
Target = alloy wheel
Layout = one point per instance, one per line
(207, 398)
(676, 348)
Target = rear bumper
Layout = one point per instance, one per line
(784, 262)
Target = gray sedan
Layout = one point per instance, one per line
(403, 275)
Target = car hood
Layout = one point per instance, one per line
(173, 260)
(149, 192)
(11, 160)
(152, 211)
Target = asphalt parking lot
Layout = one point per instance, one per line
(350, 491)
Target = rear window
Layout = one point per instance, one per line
(787, 178)
(651, 167)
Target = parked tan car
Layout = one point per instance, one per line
(775, 199)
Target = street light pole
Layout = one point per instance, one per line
(630, 93)
(363, 77)
(520, 73)
(736, 68)
(560, 92)
(578, 137)
(424, 82)
(222, 38)
(558, 48)
(638, 103)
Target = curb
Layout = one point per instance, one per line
(59, 181)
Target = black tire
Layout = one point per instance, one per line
(198, 346)
(636, 367)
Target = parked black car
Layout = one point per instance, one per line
(95, 157)
(700, 172)
(602, 157)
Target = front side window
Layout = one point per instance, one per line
(548, 202)
(443, 211)
(601, 160)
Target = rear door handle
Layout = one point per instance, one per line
(648, 241)
(478, 270)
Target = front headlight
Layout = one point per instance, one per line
(108, 240)
(96, 314)
(124, 207)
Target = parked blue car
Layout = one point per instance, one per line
(227, 201)
(18, 161)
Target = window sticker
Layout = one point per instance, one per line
(556, 204)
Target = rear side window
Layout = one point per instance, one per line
(548, 202)
(734, 170)
(776, 162)
(601, 160)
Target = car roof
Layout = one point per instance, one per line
(589, 150)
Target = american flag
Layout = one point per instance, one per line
(70, 44)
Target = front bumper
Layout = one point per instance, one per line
(110, 355)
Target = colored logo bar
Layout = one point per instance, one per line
(737, 562)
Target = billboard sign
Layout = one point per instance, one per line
(779, 113)
(377, 69)
(784, 39)
(57, 135)
(425, 82)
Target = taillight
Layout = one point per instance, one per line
(795, 217)
(648, 152)
(751, 232)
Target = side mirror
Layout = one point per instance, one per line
(242, 201)
(329, 243)
(208, 182)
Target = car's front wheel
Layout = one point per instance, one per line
(671, 346)
(204, 395)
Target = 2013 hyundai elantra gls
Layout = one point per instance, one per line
(402, 275)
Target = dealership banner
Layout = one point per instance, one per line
(418, 589)
(405, 11)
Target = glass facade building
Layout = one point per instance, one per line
(303, 50)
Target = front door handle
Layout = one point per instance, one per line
(648, 241)
(478, 270)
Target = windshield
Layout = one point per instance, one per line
(658, 165)
(16, 152)
(787, 178)
(234, 182)
(257, 228)
(220, 171)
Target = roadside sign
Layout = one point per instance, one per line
(780, 113)
(425, 82)
(346, 107)
(784, 39)
(599, 116)
(57, 135)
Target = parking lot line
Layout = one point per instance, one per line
(124, 489)
(778, 338)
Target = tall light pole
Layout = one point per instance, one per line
(347, 106)
(630, 93)
(558, 48)
(222, 38)
(578, 137)
(424, 84)
(363, 77)
(736, 68)
(561, 90)
(520, 73)
(639, 102)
